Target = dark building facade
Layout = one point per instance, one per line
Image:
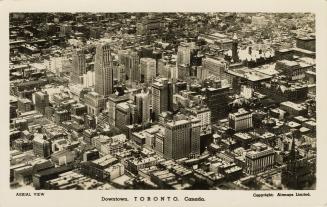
(217, 101)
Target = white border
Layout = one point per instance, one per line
(213, 198)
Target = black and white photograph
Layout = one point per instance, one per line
(147, 101)
(162, 101)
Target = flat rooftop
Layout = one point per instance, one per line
(249, 74)
(176, 123)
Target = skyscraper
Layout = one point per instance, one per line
(89, 79)
(183, 72)
(125, 115)
(41, 147)
(182, 138)
(162, 96)
(184, 53)
(113, 100)
(214, 67)
(204, 115)
(142, 101)
(148, 69)
(195, 136)
(41, 100)
(177, 139)
(217, 101)
(259, 159)
(163, 68)
(134, 61)
(94, 103)
(130, 60)
(240, 120)
(103, 70)
(183, 61)
(79, 66)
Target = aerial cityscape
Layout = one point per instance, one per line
(184, 101)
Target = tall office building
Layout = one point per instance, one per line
(201, 73)
(177, 139)
(89, 79)
(183, 72)
(217, 99)
(259, 159)
(125, 115)
(184, 53)
(195, 136)
(204, 114)
(182, 138)
(61, 115)
(103, 70)
(120, 74)
(113, 100)
(79, 66)
(142, 101)
(94, 103)
(40, 100)
(162, 96)
(130, 60)
(148, 69)
(164, 68)
(41, 147)
(24, 105)
(183, 61)
(134, 61)
(240, 120)
(215, 67)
